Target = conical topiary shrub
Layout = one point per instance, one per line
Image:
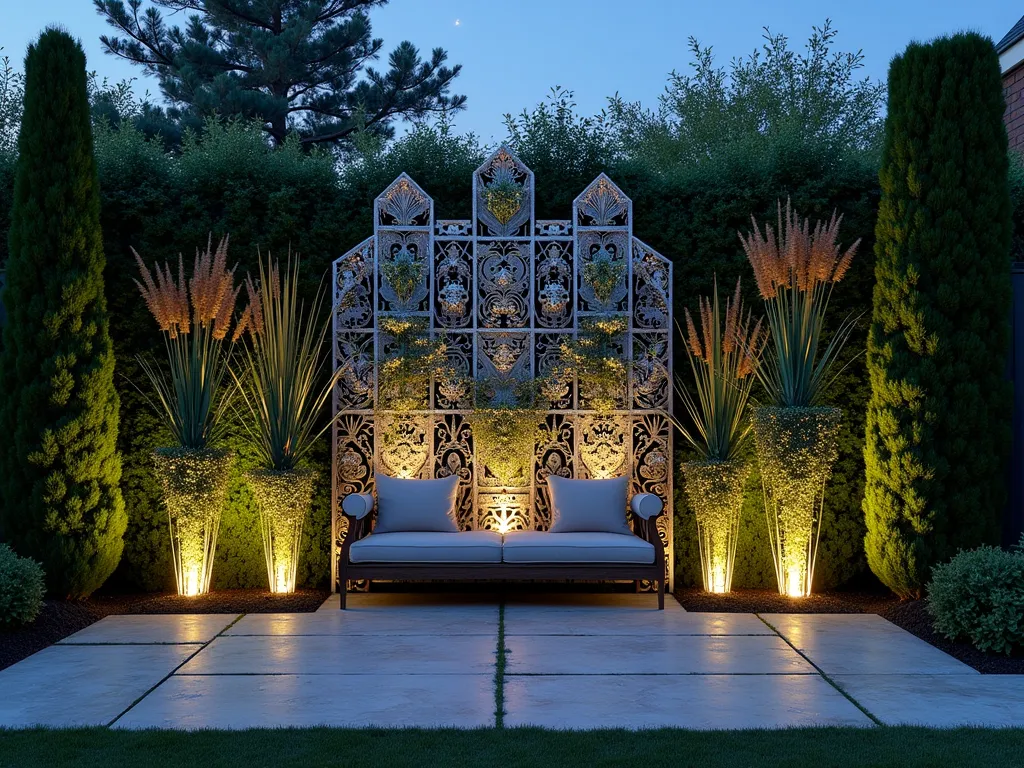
(938, 423)
(59, 467)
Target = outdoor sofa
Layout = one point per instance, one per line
(630, 553)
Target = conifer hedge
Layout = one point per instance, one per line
(938, 422)
(59, 467)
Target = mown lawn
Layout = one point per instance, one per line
(804, 748)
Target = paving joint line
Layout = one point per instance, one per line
(661, 674)
(499, 671)
(168, 676)
(823, 674)
(62, 644)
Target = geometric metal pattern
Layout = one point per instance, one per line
(505, 290)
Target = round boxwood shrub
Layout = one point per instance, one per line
(979, 596)
(21, 588)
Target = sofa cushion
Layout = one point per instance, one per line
(585, 547)
(428, 547)
(416, 505)
(588, 505)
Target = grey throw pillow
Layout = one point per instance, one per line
(416, 505)
(588, 505)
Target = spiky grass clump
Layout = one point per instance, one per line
(284, 383)
(195, 317)
(796, 269)
(723, 359)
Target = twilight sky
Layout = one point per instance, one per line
(514, 51)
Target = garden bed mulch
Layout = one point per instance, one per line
(910, 615)
(60, 619)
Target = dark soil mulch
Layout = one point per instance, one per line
(59, 619)
(770, 601)
(223, 601)
(910, 615)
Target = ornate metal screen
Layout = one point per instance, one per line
(506, 290)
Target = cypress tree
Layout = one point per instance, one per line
(59, 468)
(938, 422)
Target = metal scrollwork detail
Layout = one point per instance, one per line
(602, 205)
(553, 228)
(453, 455)
(651, 385)
(504, 196)
(651, 458)
(554, 284)
(403, 204)
(554, 456)
(408, 251)
(453, 389)
(504, 275)
(652, 280)
(453, 278)
(354, 356)
(556, 388)
(353, 473)
(607, 250)
(504, 356)
(453, 228)
(403, 444)
(504, 512)
(603, 445)
(353, 287)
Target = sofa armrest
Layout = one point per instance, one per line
(646, 505)
(357, 505)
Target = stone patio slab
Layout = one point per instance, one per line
(587, 600)
(346, 655)
(556, 620)
(454, 620)
(940, 701)
(170, 628)
(679, 701)
(80, 685)
(651, 655)
(391, 600)
(351, 701)
(863, 644)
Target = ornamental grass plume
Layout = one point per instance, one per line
(723, 358)
(195, 317)
(796, 268)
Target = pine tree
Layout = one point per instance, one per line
(938, 422)
(293, 64)
(59, 469)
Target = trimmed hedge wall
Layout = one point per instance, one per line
(230, 182)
